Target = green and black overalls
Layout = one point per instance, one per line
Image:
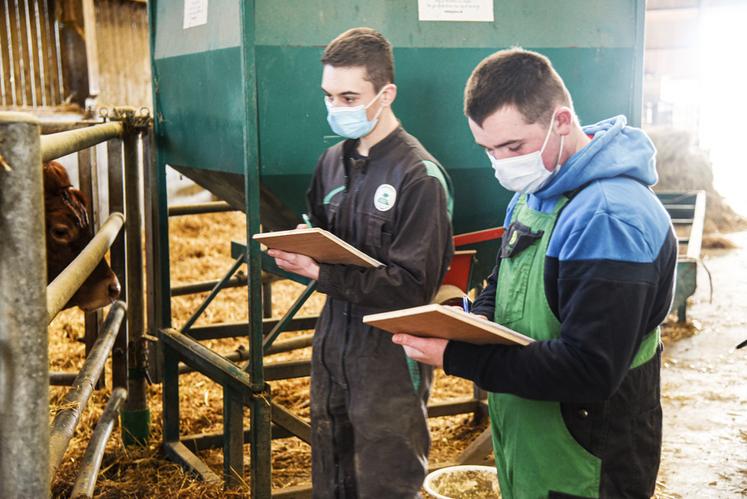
(368, 408)
(603, 445)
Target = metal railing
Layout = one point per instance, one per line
(91, 462)
(30, 452)
(200, 208)
(61, 144)
(67, 418)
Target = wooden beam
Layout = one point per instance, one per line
(92, 54)
(478, 452)
(178, 452)
(295, 425)
(73, 53)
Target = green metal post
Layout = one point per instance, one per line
(170, 396)
(136, 414)
(157, 223)
(261, 458)
(233, 448)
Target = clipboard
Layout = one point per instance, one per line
(438, 321)
(319, 244)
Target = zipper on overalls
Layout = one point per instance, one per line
(356, 187)
(340, 482)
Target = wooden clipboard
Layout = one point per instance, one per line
(319, 244)
(438, 321)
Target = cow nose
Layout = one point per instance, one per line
(114, 290)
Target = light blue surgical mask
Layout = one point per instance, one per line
(352, 122)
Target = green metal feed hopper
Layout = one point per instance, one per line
(239, 110)
(203, 110)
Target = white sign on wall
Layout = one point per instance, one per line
(195, 13)
(455, 10)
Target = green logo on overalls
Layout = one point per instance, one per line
(514, 238)
(385, 197)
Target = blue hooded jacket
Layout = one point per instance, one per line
(608, 278)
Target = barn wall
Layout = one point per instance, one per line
(54, 52)
(30, 69)
(123, 56)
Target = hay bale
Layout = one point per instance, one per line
(682, 166)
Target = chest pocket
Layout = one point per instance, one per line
(519, 238)
(519, 257)
(332, 213)
(331, 203)
(378, 236)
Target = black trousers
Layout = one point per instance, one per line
(368, 419)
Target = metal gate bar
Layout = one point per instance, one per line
(75, 401)
(91, 461)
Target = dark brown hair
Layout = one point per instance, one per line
(515, 77)
(363, 47)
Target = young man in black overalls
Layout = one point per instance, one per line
(382, 192)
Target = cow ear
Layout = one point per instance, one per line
(61, 234)
(55, 176)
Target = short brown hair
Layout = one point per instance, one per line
(515, 77)
(363, 47)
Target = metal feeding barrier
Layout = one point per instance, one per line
(687, 211)
(31, 450)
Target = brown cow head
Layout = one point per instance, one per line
(69, 230)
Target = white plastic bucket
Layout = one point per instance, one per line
(429, 480)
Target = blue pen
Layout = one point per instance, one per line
(465, 303)
(307, 220)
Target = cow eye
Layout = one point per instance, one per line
(61, 233)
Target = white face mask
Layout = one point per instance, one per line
(525, 173)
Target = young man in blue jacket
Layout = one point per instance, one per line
(586, 268)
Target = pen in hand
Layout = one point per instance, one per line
(465, 303)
